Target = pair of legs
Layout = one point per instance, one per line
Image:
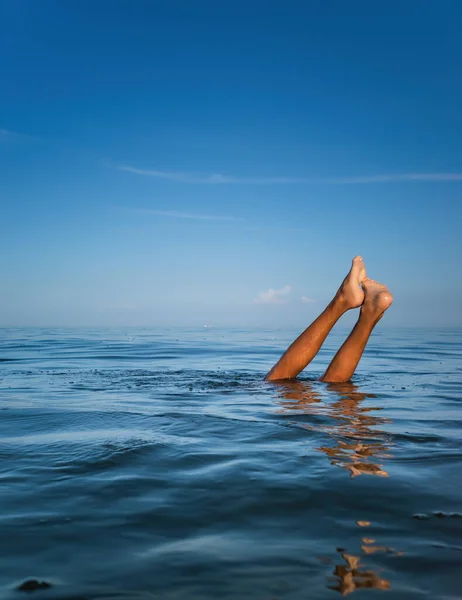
(357, 290)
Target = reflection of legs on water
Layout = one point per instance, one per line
(306, 346)
(377, 300)
(359, 447)
(350, 577)
(297, 395)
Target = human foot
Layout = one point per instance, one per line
(377, 298)
(350, 293)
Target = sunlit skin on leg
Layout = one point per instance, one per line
(306, 346)
(356, 290)
(376, 301)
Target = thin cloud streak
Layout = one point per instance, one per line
(279, 229)
(217, 178)
(173, 214)
(7, 135)
(404, 177)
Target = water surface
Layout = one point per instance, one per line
(148, 463)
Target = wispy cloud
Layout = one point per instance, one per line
(279, 229)
(10, 136)
(173, 214)
(273, 296)
(307, 300)
(217, 178)
(396, 178)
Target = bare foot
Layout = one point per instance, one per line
(350, 292)
(377, 298)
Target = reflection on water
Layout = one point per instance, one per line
(357, 445)
(159, 460)
(350, 577)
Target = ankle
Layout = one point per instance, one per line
(339, 303)
(370, 314)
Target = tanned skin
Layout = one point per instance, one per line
(356, 290)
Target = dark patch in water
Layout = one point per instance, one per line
(437, 514)
(32, 585)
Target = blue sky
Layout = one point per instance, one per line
(172, 162)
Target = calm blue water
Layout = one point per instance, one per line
(146, 463)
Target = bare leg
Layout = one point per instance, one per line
(306, 346)
(377, 300)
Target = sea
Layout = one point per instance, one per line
(156, 463)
